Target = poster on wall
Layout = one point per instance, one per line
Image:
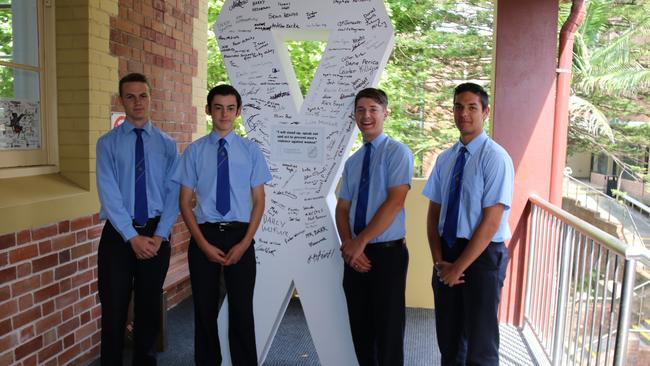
(117, 118)
(297, 144)
(20, 125)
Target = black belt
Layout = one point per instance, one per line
(151, 221)
(228, 226)
(388, 244)
(462, 241)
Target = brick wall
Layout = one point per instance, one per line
(49, 308)
(49, 311)
(156, 38)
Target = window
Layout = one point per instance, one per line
(600, 163)
(27, 90)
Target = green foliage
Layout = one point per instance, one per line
(6, 47)
(305, 57)
(611, 81)
(437, 45)
(216, 68)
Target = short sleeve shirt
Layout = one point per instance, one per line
(488, 179)
(391, 165)
(198, 171)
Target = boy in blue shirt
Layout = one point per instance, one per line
(370, 219)
(135, 162)
(470, 192)
(227, 174)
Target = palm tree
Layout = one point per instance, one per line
(608, 70)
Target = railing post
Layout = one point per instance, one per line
(620, 351)
(531, 254)
(563, 290)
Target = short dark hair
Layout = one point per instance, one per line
(223, 89)
(474, 89)
(378, 95)
(134, 77)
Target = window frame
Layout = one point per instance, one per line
(46, 159)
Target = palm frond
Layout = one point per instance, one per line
(581, 56)
(586, 118)
(625, 81)
(595, 21)
(617, 51)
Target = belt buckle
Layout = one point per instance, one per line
(222, 226)
(136, 226)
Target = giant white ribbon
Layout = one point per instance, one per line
(305, 143)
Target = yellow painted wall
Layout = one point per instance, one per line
(418, 283)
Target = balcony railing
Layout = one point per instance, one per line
(608, 208)
(579, 291)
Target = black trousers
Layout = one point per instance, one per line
(120, 273)
(376, 306)
(466, 315)
(240, 283)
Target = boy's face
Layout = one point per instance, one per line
(135, 98)
(223, 110)
(370, 117)
(469, 115)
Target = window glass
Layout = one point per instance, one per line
(21, 127)
(19, 32)
(19, 84)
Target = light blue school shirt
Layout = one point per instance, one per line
(391, 165)
(115, 166)
(488, 179)
(247, 169)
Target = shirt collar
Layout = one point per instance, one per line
(127, 127)
(378, 140)
(473, 145)
(214, 137)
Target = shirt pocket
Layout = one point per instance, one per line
(240, 178)
(472, 193)
(157, 165)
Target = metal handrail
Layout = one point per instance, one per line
(608, 240)
(570, 263)
(588, 187)
(626, 211)
(630, 252)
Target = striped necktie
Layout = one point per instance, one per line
(362, 198)
(141, 213)
(453, 201)
(223, 179)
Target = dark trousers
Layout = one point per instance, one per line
(376, 306)
(240, 283)
(119, 274)
(466, 314)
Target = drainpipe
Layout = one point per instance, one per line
(563, 84)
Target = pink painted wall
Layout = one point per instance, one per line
(524, 97)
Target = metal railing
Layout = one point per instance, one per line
(609, 208)
(579, 290)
